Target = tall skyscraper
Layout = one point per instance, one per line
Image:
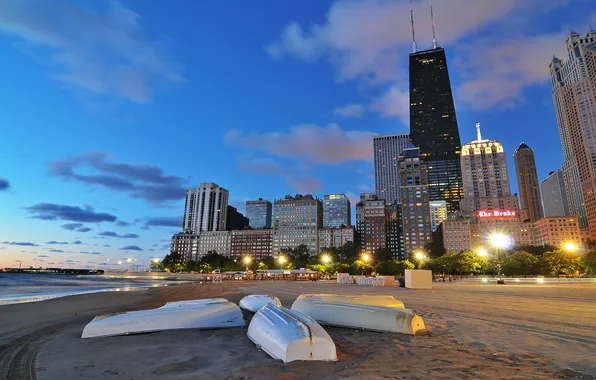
(486, 178)
(337, 210)
(414, 201)
(527, 182)
(554, 197)
(205, 208)
(395, 235)
(296, 221)
(235, 220)
(573, 90)
(387, 149)
(433, 125)
(438, 213)
(259, 213)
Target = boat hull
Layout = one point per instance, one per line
(370, 300)
(211, 313)
(255, 302)
(358, 316)
(288, 335)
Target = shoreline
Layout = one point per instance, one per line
(539, 332)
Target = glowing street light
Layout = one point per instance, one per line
(420, 256)
(120, 262)
(570, 247)
(247, 260)
(281, 260)
(326, 259)
(365, 257)
(482, 252)
(156, 260)
(129, 260)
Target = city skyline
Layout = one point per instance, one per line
(97, 171)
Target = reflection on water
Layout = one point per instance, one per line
(20, 288)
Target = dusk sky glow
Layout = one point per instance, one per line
(111, 109)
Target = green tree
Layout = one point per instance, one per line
(536, 250)
(520, 263)
(469, 262)
(300, 256)
(445, 264)
(393, 267)
(561, 263)
(382, 254)
(156, 266)
(359, 267)
(214, 259)
(347, 252)
(588, 263)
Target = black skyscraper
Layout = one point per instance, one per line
(433, 125)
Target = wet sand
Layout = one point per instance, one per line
(477, 331)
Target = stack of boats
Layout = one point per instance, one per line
(285, 334)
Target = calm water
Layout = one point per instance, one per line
(19, 288)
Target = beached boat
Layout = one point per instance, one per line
(289, 335)
(356, 299)
(256, 301)
(329, 311)
(213, 313)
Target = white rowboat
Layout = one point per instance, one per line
(213, 313)
(288, 335)
(360, 316)
(256, 301)
(372, 300)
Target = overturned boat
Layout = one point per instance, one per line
(212, 313)
(288, 335)
(356, 299)
(254, 302)
(352, 312)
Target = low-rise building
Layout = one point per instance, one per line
(249, 242)
(335, 237)
(457, 235)
(186, 244)
(371, 222)
(217, 241)
(558, 230)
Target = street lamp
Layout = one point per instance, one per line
(482, 252)
(420, 257)
(247, 260)
(325, 259)
(281, 260)
(570, 247)
(365, 257)
(156, 260)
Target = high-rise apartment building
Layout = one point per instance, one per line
(371, 224)
(438, 213)
(256, 243)
(186, 244)
(215, 241)
(433, 125)
(485, 177)
(387, 149)
(296, 221)
(337, 210)
(415, 201)
(395, 236)
(205, 208)
(574, 97)
(527, 182)
(554, 197)
(335, 237)
(259, 213)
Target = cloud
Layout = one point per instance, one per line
(21, 243)
(139, 181)
(84, 229)
(91, 253)
(56, 250)
(486, 42)
(72, 226)
(350, 110)
(52, 211)
(164, 221)
(305, 184)
(43, 256)
(100, 48)
(114, 234)
(69, 261)
(122, 223)
(261, 165)
(131, 248)
(4, 184)
(56, 242)
(323, 145)
(106, 246)
(77, 242)
(364, 187)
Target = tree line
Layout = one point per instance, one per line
(523, 261)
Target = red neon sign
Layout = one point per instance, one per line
(496, 214)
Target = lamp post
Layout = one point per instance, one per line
(247, 260)
(281, 260)
(482, 253)
(420, 257)
(570, 247)
(366, 258)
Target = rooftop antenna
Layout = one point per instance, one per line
(478, 134)
(432, 17)
(414, 46)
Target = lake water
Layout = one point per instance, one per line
(20, 288)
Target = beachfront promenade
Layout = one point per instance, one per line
(478, 330)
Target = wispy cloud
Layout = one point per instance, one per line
(100, 48)
(131, 248)
(350, 110)
(56, 242)
(163, 221)
(77, 242)
(21, 243)
(4, 184)
(322, 145)
(52, 211)
(57, 250)
(142, 181)
(116, 235)
(305, 184)
(91, 253)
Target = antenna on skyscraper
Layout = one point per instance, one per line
(478, 134)
(432, 18)
(414, 46)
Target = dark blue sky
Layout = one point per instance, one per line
(110, 109)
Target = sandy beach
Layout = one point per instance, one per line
(476, 331)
